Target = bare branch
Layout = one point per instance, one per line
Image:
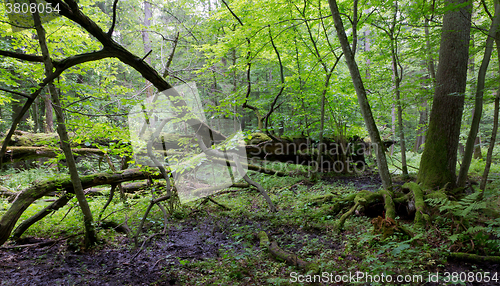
(15, 92)
(110, 32)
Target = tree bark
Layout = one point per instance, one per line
(489, 155)
(49, 115)
(38, 190)
(438, 163)
(362, 99)
(478, 103)
(90, 234)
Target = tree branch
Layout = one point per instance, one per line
(110, 32)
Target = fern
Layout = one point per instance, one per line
(464, 211)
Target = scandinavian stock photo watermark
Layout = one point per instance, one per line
(161, 125)
(178, 112)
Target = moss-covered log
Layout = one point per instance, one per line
(15, 154)
(27, 139)
(289, 258)
(38, 190)
(59, 203)
(474, 257)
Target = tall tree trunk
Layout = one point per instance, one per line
(422, 122)
(397, 75)
(397, 81)
(472, 67)
(494, 131)
(147, 50)
(49, 115)
(439, 160)
(393, 124)
(478, 103)
(90, 234)
(362, 99)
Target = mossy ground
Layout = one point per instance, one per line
(206, 245)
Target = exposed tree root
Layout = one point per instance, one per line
(289, 258)
(364, 198)
(341, 221)
(474, 257)
(420, 217)
(390, 210)
(388, 226)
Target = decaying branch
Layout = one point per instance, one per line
(40, 189)
(289, 258)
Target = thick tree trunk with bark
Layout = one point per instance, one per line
(438, 163)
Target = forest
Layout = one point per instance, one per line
(251, 142)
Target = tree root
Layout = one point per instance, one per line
(388, 226)
(420, 217)
(289, 258)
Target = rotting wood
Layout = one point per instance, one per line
(289, 258)
(474, 257)
(40, 189)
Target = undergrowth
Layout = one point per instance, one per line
(300, 226)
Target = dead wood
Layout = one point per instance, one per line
(289, 258)
(40, 189)
(474, 257)
(59, 203)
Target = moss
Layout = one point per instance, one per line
(257, 138)
(34, 139)
(434, 171)
(418, 193)
(291, 138)
(390, 210)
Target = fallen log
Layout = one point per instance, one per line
(295, 150)
(289, 258)
(16, 154)
(38, 190)
(474, 257)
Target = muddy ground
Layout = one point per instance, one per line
(198, 237)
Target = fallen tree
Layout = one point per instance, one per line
(293, 150)
(40, 189)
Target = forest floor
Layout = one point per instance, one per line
(206, 245)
